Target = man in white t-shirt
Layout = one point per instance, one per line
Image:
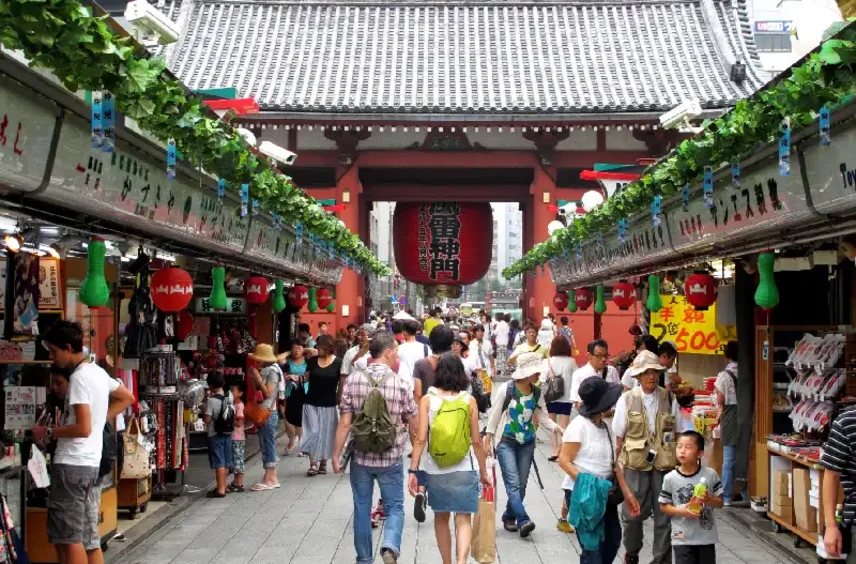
(410, 351)
(500, 336)
(598, 352)
(481, 351)
(359, 352)
(93, 399)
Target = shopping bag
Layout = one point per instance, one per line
(135, 464)
(483, 547)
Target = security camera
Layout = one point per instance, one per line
(277, 153)
(151, 27)
(680, 116)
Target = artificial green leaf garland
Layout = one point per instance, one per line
(278, 298)
(94, 291)
(767, 294)
(824, 78)
(85, 53)
(600, 301)
(217, 300)
(654, 302)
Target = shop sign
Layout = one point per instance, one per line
(774, 26)
(49, 285)
(694, 332)
(26, 128)
(831, 173)
(237, 306)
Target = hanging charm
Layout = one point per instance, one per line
(277, 220)
(579, 251)
(685, 197)
(298, 232)
(622, 230)
(245, 199)
(825, 133)
(785, 147)
(735, 176)
(170, 158)
(221, 189)
(331, 252)
(97, 138)
(655, 210)
(255, 206)
(108, 122)
(708, 188)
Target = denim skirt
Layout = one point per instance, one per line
(454, 492)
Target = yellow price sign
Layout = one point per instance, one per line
(694, 332)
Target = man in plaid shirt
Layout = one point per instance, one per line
(385, 467)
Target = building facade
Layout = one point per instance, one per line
(785, 30)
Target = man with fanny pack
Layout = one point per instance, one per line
(645, 429)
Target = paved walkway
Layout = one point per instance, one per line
(308, 521)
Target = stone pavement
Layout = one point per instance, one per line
(308, 521)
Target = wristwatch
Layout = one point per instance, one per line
(411, 471)
(49, 432)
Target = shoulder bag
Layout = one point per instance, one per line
(555, 386)
(255, 411)
(135, 464)
(615, 496)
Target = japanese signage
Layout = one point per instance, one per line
(20, 407)
(49, 286)
(26, 128)
(694, 332)
(439, 241)
(774, 26)
(236, 306)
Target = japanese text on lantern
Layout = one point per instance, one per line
(444, 226)
(692, 331)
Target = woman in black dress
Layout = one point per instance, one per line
(320, 412)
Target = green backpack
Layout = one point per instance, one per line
(450, 438)
(373, 429)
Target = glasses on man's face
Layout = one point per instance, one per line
(602, 356)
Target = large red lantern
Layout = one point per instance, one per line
(298, 296)
(624, 295)
(561, 301)
(184, 325)
(323, 297)
(584, 298)
(172, 289)
(443, 243)
(700, 290)
(256, 289)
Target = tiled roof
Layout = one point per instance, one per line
(467, 56)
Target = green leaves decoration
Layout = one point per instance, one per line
(825, 77)
(84, 52)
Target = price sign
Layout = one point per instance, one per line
(694, 332)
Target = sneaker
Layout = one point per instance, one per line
(419, 507)
(510, 526)
(726, 502)
(388, 555)
(527, 529)
(565, 527)
(631, 559)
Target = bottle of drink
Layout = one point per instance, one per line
(695, 505)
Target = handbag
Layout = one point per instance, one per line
(257, 413)
(555, 386)
(135, 463)
(615, 496)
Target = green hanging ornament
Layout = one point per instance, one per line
(217, 299)
(599, 302)
(655, 302)
(278, 298)
(94, 291)
(767, 294)
(313, 302)
(332, 307)
(572, 301)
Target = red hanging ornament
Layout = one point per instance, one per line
(298, 296)
(256, 289)
(184, 327)
(172, 289)
(700, 290)
(624, 295)
(561, 300)
(324, 298)
(584, 298)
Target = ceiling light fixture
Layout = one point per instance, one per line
(14, 242)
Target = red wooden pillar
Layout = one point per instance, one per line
(540, 289)
(350, 291)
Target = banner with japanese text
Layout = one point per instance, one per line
(694, 332)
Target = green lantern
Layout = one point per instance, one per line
(278, 298)
(572, 301)
(599, 302)
(332, 307)
(94, 291)
(313, 302)
(655, 302)
(767, 294)
(217, 299)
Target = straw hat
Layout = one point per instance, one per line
(528, 364)
(645, 360)
(263, 353)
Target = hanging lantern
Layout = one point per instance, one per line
(572, 301)
(278, 298)
(172, 289)
(324, 298)
(561, 300)
(624, 295)
(600, 300)
(313, 300)
(94, 291)
(217, 300)
(700, 290)
(184, 326)
(298, 297)
(332, 307)
(655, 302)
(584, 298)
(256, 290)
(443, 243)
(767, 294)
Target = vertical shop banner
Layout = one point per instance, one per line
(97, 138)
(221, 189)
(825, 134)
(694, 332)
(49, 286)
(785, 147)
(108, 121)
(171, 155)
(22, 295)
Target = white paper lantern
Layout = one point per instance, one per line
(554, 226)
(591, 200)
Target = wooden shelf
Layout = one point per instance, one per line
(807, 536)
(814, 465)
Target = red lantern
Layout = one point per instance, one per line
(584, 298)
(184, 326)
(172, 289)
(700, 290)
(256, 289)
(298, 296)
(324, 298)
(561, 300)
(443, 242)
(624, 295)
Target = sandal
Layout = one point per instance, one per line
(553, 458)
(260, 487)
(322, 468)
(313, 471)
(235, 488)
